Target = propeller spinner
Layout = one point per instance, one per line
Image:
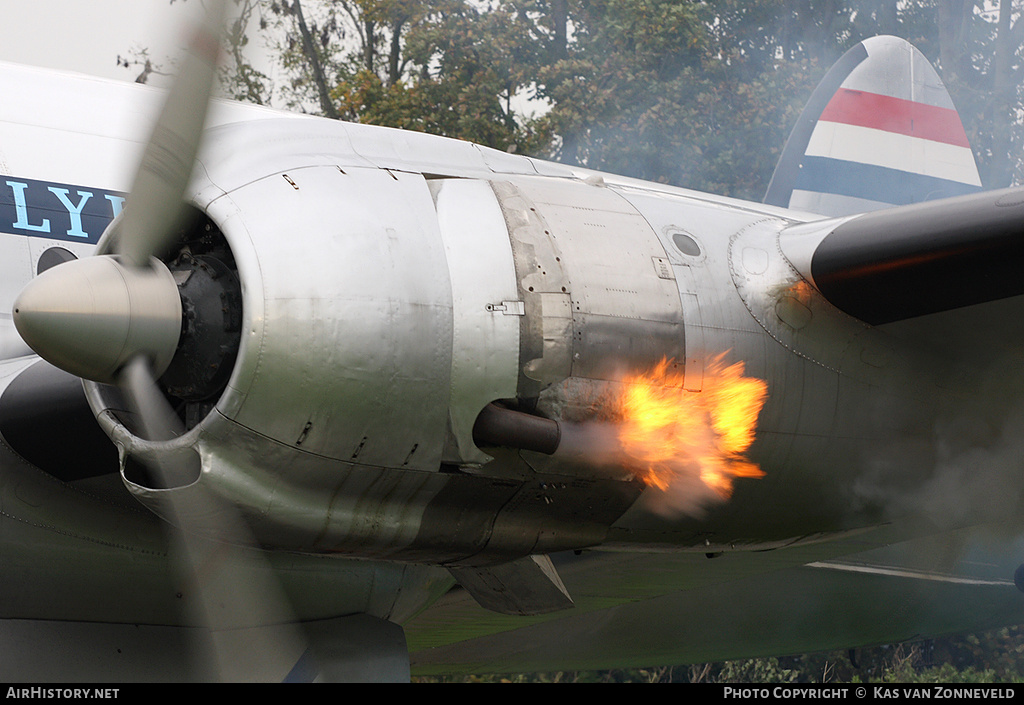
(92, 317)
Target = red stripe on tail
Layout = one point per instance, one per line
(905, 117)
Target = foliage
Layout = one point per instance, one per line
(698, 93)
(241, 80)
(462, 85)
(995, 657)
(704, 95)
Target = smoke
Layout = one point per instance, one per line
(967, 469)
(597, 445)
(973, 484)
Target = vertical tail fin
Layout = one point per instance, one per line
(880, 130)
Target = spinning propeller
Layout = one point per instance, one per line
(116, 319)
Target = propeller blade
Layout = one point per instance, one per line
(117, 319)
(154, 208)
(233, 582)
(158, 422)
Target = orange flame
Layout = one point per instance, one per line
(671, 431)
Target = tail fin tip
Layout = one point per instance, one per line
(880, 130)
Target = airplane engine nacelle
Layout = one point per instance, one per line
(381, 312)
(346, 351)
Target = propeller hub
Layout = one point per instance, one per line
(90, 317)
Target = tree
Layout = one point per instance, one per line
(665, 91)
(467, 67)
(241, 79)
(699, 93)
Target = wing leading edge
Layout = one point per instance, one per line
(902, 263)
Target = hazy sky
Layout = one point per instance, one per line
(87, 35)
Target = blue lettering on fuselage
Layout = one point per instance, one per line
(56, 211)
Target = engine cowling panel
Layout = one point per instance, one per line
(351, 335)
(382, 312)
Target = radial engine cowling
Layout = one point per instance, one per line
(337, 406)
(376, 314)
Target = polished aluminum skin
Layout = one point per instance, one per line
(428, 291)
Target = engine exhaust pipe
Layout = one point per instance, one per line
(499, 426)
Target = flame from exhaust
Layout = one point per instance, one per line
(671, 432)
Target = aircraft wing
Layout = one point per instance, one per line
(942, 274)
(881, 131)
(639, 610)
(901, 263)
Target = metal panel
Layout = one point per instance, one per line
(554, 362)
(485, 317)
(693, 377)
(546, 330)
(626, 314)
(609, 347)
(351, 356)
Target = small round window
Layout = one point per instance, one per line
(52, 257)
(686, 244)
